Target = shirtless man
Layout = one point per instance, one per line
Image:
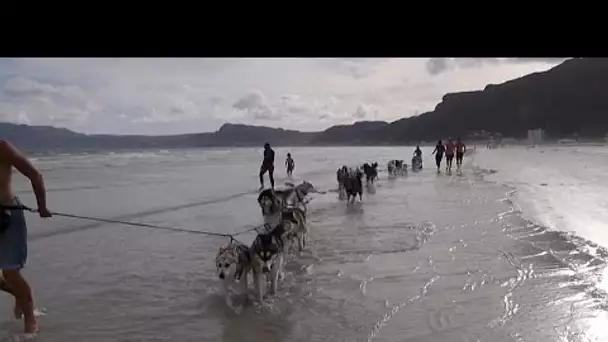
(290, 165)
(13, 232)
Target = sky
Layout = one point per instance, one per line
(172, 96)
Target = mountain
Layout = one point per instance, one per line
(565, 100)
(569, 99)
(244, 135)
(359, 133)
(45, 138)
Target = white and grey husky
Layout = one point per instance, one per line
(295, 196)
(233, 264)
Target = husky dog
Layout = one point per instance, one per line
(233, 262)
(267, 255)
(392, 167)
(295, 195)
(271, 206)
(296, 218)
(371, 172)
(354, 184)
(416, 163)
(270, 247)
(342, 177)
(396, 167)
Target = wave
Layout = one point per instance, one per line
(585, 261)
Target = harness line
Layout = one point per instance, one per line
(136, 224)
(145, 225)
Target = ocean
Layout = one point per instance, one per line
(513, 248)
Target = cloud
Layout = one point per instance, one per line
(253, 100)
(22, 118)
(19, 86)
(547, 59)
(365, 112)
(437, 66)
(255, 104)
(30, 101)
(356, 68)
(216, 100)
(360, 113)
(325, 115)
(163, 96)
(177, 109)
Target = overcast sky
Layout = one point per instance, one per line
(166, 96)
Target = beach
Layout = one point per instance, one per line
(513, 248)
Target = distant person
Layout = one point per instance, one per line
(449, 154)
(418, 152)
(290, 164)
(417, 159)
(13, 232)
(461, 148)
(267, 165)
(438, 152)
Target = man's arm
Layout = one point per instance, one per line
(23, 165)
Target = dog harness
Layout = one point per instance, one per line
(244, 257)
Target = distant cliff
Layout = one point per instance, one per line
(569, 99)
(44, 138)
(359, 133)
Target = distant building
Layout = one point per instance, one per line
(536, 136)
(509, 141)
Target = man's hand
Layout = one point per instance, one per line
(44, 212)
(11, 155)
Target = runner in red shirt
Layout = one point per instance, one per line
(461, 148)
(449, 154)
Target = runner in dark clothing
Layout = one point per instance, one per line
(438, 152)
(461, 148)
(417, 160)
(267, 165)
(418, 152)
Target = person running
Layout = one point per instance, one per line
(13, 232)
(449, 154)
(461, 148)
(438, 152)
(289, 164)
(267, 165)
(417, 156)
